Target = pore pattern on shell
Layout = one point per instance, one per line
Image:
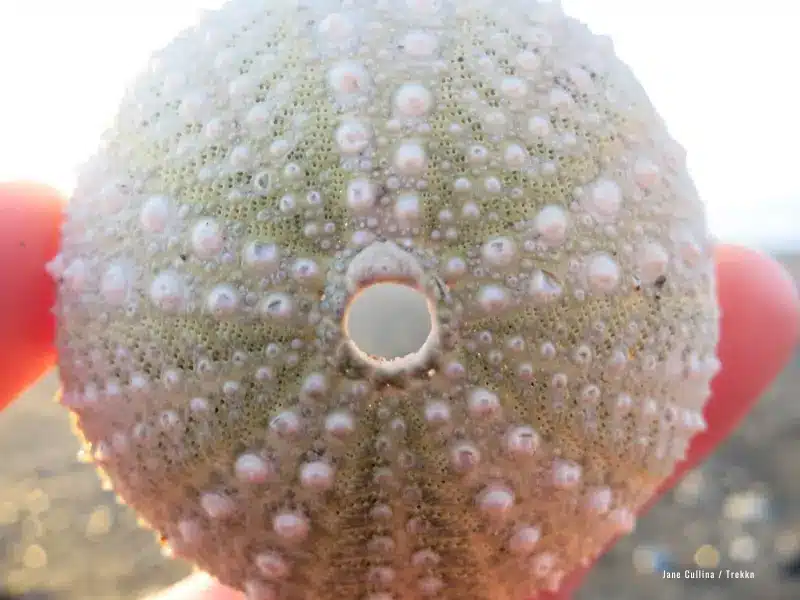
(282, 156)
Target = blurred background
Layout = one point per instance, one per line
(724, 76)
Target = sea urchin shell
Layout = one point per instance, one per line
(386, 299)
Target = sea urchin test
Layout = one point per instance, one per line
(386, 299)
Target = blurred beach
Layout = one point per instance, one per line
(62, 537)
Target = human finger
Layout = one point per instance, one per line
(29, 238)
(198, 586)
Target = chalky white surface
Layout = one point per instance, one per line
(279, 157)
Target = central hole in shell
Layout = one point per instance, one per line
(389, 320)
